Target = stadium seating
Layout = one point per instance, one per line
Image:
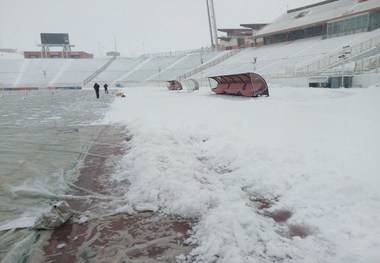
(287, 59)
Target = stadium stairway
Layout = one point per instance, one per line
(96, 73)
(210, 64)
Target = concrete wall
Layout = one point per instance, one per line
(364, 80)
(289, 82)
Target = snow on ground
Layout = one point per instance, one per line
(312, 153)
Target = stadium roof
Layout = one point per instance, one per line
(241, 31)
(317, 13)
(254, 26)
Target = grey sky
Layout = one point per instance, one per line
(139, 25)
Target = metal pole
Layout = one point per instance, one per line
(254, 63)
(114, 37)
(201, 79)
(342, 85)
(343, 57)
(212, 24)
(209, 24)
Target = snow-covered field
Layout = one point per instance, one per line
(293, 177)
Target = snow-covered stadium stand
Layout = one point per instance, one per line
(118, 69)
(9, 70)
(288, 58)
(53, 72)
(46, 72)
(149, 67)
(79, 69)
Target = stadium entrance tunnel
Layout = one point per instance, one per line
(190, 84)
(245, 84)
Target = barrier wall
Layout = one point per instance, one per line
(363, 80)
(66, 88)
(19, 88)
(37, 88)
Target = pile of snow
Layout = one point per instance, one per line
(56, 217)
(311, 155)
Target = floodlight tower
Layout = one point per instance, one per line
(212, 24)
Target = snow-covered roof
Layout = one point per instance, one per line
(313, 14)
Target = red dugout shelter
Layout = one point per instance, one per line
(174, 85)
(245, 84)
(190, 84)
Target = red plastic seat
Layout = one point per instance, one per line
(235, 88)
(220, 88)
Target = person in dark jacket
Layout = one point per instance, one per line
(105, 88)
(96, 88)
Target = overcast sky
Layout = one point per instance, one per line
(139, 26)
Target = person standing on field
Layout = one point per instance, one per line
(96, 88)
